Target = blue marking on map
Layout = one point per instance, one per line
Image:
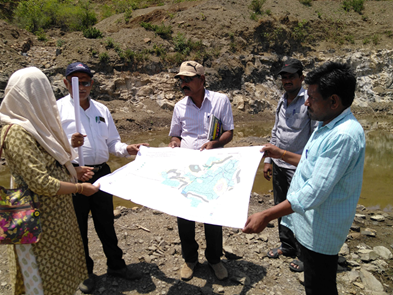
(204, 183)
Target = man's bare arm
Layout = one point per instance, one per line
(274, 152)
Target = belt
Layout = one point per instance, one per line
(96, 167)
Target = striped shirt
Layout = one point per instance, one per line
(292, 127)
(191, 123)
(326, 186)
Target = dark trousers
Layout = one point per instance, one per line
(189, 247)
(101, 206)
(320, 272)
(281, 181)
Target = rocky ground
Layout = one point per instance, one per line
(242, 57)
(151, 245)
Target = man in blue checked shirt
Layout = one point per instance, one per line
(326, 186)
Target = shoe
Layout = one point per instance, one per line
(276, 254)
(187, 270)
(296, 266)
(219, 270)
(87, 286)
(125, 273)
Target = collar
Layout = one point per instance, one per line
(207, 96)
(301, 93)
(339, 118)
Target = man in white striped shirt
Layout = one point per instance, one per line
(189, 129)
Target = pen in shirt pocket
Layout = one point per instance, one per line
(306, 153)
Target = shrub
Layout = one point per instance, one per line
(109, 43)
(163, 31)
(92, 33)
(306, 2)
(159, 50)
(103, 57)
(256, 6)
(129, 54)
(356, 5)
(41, 36)
(127, 15)
(31, 15)
(106, 11)
(59, 43)
(376, 39)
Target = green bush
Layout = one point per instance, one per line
(103, 57)
(129, 54)
(31, 15)
(41, 36)
(376, 39)
(306, 2)
(106, 11)
(34, 15)
(356, 5)
(59, 43)
(163, 31)
(127, 15)
(92, 33)
(109, 43)
(256, 6)
(159, 50)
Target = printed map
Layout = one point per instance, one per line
(212, 186)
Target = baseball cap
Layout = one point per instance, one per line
(291, 66)
(78, 67)
(191, 68)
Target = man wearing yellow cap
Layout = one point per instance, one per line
(189, 129)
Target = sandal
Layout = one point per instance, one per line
(298, 263)
(275, 253)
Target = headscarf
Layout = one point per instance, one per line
(29, 102)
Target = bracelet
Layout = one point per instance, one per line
(76, 186)
(81, 188)
(282, 157)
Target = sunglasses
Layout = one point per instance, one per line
(187, 79)
(82, 83)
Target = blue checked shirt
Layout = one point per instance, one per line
(326, 186)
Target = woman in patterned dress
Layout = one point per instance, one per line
(38, 154)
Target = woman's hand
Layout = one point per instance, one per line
(89, 189)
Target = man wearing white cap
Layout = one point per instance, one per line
(189, 129)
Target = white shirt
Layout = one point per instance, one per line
(97, 123)
(191, 123)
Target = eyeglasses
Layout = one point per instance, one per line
(82, 83)
(186, 79)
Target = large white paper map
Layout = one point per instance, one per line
(210, 186)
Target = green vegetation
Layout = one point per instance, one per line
(366, 41)
(59, 43)
(92, 33)
(103, 57)
(299, 32)
(163, 31)
(109, 43)
(256, 7)
(34, 15)
(127, 15)
(306, 2)
(350, 39)
(376, 39)
(356, 5)
(41, 36)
